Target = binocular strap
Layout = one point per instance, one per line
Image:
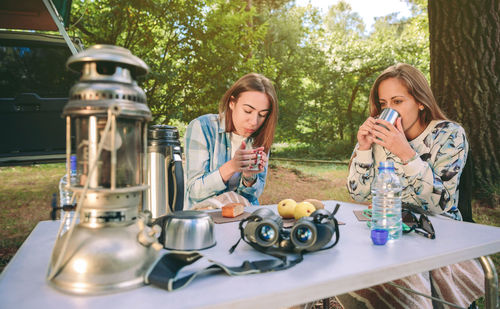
(163, 274)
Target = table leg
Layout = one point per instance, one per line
(490, 283)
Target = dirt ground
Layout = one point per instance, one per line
(285, 183)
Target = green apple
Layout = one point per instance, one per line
(286, 208)
(303, 209)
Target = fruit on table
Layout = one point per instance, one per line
(303, 209)
(286, 208)
(317, 203)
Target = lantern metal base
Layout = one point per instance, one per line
(102, 260)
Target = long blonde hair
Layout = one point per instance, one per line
(253, 82)
(417, 86)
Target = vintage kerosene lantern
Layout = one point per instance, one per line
(111, 247)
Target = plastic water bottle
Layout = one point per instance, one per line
(386, 204)
(66, 194)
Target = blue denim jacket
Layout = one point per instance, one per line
(208, 147)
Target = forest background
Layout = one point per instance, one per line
(322, 64)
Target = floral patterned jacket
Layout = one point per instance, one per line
(430, 181)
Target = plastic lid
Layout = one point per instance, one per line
(379, 236)
(163, 132)
(188, 214)
(386, 165)
(163, 135)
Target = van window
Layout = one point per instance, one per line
(28, 67)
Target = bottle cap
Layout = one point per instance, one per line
(386, 165)
(73, 163)
(379, 236)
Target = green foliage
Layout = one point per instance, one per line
(322, 65)
(195, 49)
(334, 150)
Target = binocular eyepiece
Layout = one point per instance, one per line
(265, 229)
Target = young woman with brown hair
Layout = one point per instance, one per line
(221, 149)
(428, 150)
(429, 153)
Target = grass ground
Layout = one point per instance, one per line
(25, 199)
(26, 194)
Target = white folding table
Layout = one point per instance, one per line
(354, 263)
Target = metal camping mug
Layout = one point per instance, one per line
(255, 167)
(390, 115)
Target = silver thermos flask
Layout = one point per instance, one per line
(165, 175)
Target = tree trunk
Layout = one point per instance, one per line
(250, 25)
(465, 77)
(354, 93)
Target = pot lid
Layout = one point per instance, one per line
(188, 214)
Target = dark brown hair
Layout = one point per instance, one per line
(253, 82)
(417, 86)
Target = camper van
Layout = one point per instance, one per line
(34, 80)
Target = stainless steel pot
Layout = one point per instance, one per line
(188, 230)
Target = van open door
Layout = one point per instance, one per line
(34, 81)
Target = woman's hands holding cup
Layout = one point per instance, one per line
(392, 138)
(385, 134)
(260, 162)
(365, 137)
(243, 161)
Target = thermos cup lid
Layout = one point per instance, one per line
(163, 134)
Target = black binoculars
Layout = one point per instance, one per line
(264, 229)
